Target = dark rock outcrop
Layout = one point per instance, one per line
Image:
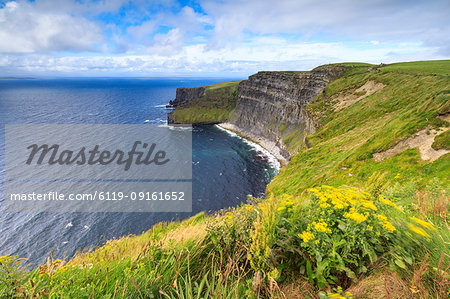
(186, 94)
(271, 104)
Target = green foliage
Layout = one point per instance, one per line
(12, 277)
(345, 232)
(442, 141)
(295, 139)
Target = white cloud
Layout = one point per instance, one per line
(382, 20)
(25, 29)
(167, 44)
(231, 36)
(243, 60)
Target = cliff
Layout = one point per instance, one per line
(204, 105)
(271, 105)
(187, 94)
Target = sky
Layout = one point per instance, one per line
(214, 38)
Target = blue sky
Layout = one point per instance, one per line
(214, 38)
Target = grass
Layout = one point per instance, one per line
(434, 67)
(386, 236)
(442, 141)
(342, 149)
(216, 105)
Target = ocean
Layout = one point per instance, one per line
(225, 167)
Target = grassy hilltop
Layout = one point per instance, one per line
(214, 106)
(363, 213)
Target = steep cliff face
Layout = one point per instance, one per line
(269, 107)
(271, 104)
(187, 94)
(204, 105)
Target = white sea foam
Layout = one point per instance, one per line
(175, 127)
(69, 224)
(272, 160)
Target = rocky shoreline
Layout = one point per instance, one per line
(265, 143)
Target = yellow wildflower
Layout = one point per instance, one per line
(369, 204)
(249, 207)
(306, 236)
(261, 206)
(282, 208)
(418, 230)
(423, 223)
(370, 227)
(386, 224)
(354, 215)
(321, 227)
(288, 196)
(62, 269)
(335, 295)
(414, 289)
(324, 205)
(338, 204)
(5, 258)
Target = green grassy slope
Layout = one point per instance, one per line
(342, 149)
(366, 229)
(434, 67)
(215, 105)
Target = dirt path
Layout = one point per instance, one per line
(421, 140)
(369, 88)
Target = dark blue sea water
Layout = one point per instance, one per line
(225, 168)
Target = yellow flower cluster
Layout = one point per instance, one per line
(261, 206)
(354, 215)
(63, 269)
(386, 224)
(423, 223)
(286, 202)
(418, 230)
(369, 204)
(321, 227)
(340, 294)
(248, 207)
(353, 204)
(306, 236)
(5, 259)
(44, 269)
(341, 198)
